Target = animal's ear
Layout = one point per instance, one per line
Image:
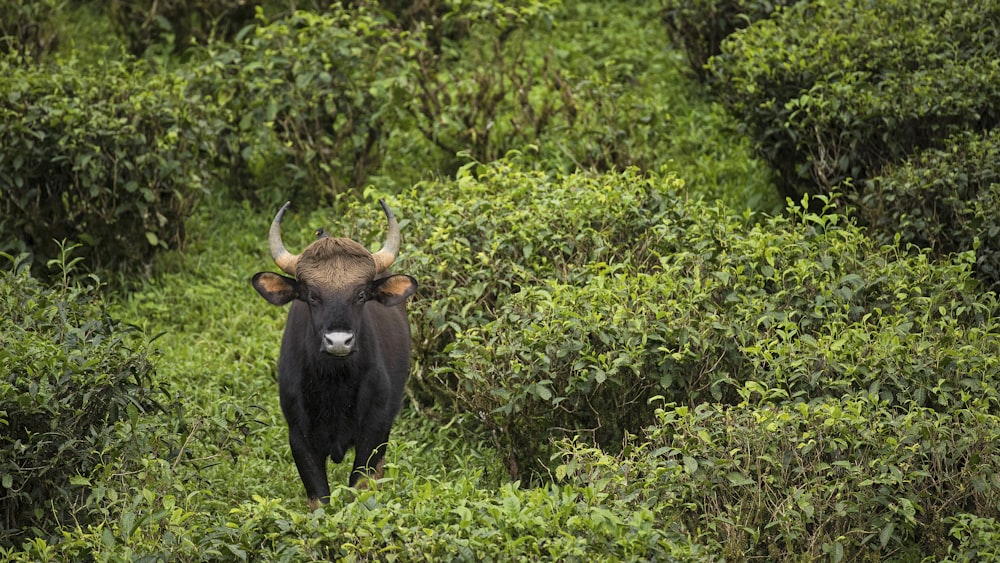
(394, 289)
(277, 289)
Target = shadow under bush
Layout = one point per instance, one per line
(946, 200)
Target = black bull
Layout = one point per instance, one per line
(345, 355)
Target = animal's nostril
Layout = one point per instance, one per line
(338, 342)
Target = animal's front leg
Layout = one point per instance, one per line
(312, 470)
(368, 462)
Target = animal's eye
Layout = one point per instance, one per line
(362, 296)
(314, 298)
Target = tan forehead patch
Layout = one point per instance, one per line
(335, 262)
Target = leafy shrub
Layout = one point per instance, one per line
(499, 229)
(579, 358)
(624, 101)
(405, 520)
(586, 295)
(582, 358)
(485, 94)
(26, 28)
(976, 538)
(699, 28)
(309, 97)
(439, 20)
(357, 97)
(832, 90)
(580, 82)
(69, 375)
(112, 156)
(151, 22)
(942, 199)
(844, 479)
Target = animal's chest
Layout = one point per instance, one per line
(330, 415)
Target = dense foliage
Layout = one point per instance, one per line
(27, 28)
(175, 25)
(111, 156)
(942, 199)
(609, 362)
(577, 304)
(307, 99)
(831, 90)
(699, 27)
(74, 386)
(849, 478)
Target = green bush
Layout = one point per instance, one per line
(833, 90)
(580, 82)
(486, 93)
(27, 28)
(403, 521)
(942, 199)
(183, 23)
(623, 101)
(499, 229)
(976, 538)
(582, 296)
(74, 385)
(853, 478)
(309, 98)
(439, 20)
(699, 27)
(582, 358)
(112, 156)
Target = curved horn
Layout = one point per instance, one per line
(387, 255)
(282, 257)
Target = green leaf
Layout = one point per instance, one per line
(690, 464)
(738, 479)
(886, 534)
(77, 480)
(543, 392)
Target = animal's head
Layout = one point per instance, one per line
(335, 277)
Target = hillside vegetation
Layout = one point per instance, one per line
(626, 345)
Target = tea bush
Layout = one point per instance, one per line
(75, 387)
(358, 97)
(943, 199)
(699, 28)
(308, 98)
(432, 506)
(586, 295)
(111, 155)
(974, 537)
(501, 228)
(485, 94)
(836, 478)
(835, 90)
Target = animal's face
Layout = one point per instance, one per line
(336, 278)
